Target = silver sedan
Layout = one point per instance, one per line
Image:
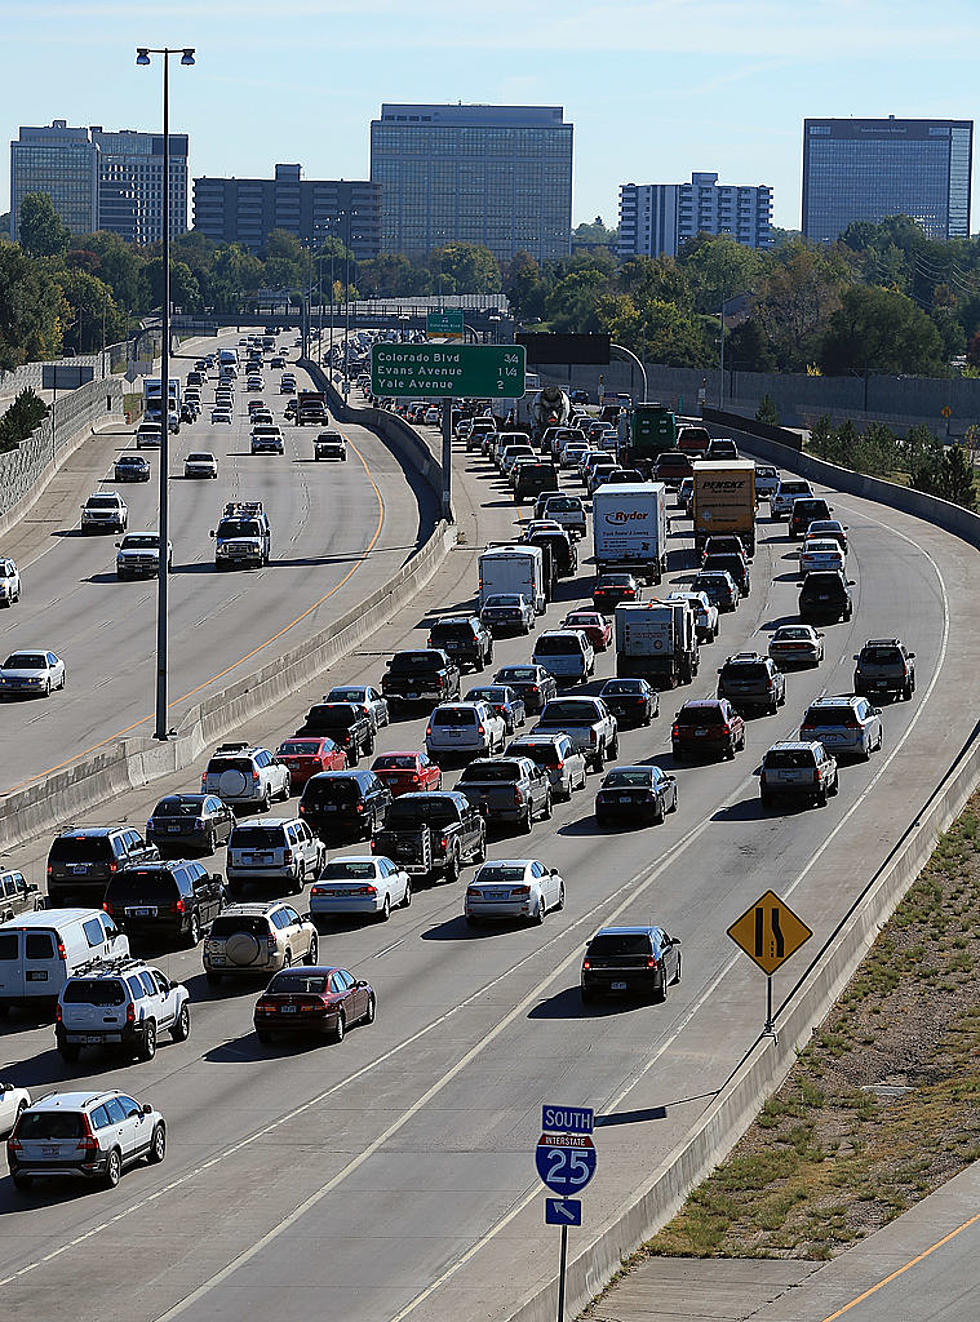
(369, 885)
(513, 888)
(368, 699)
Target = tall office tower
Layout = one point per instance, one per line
(131, 183)
(656, 219)
(867, 169)
(496, 175)
(59, 161)
(246, 211)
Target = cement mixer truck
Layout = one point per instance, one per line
(550, 407)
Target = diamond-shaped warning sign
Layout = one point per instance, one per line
(769, 932)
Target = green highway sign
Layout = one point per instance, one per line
(460, 371)
(443, 324)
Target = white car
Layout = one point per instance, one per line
(705, 614)
(796, 644)
(9, 582)
(370, 701)
(432, 417)
(138, 555)
(513, 888)
(200, 463)
(13, 1100)
(360, 884)
(766, 480)
(105, 511)
(470, 729)
(221, 415)
(34, 671)
(265, 438)
(820, 553)
(789, 489)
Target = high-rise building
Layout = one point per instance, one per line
(131, 183)
(495, 175)
(656, 219)
(246, 211)
(99, 180)
(62, 162)
(867, 169)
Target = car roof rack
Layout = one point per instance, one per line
(242, 507)
(239, 746)
(118, 964)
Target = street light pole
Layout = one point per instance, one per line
(161, 728)
(643, 371)
(350, 214)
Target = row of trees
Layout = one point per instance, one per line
(920, 456)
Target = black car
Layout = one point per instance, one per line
(532, 683)
(131, 468)
(82, 859)
(635, 795)
(190, 821)
(563, 551)
(805, 511)
(736, 565)
(534, 478)
(825, 595)
(643, 960)
(719, 587)
(174, 901)
(885, 665)
(344, 723)
(351, 803)
(631, 701)
(463, 638)
(751, 683)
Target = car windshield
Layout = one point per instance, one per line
(332, 717)
(745, 671)
(571, 710)
(704, 715)
(345, 695)
(141, 886)
(829, 717)
(500, 872)
(50, 1125)
(396, 762)
(558, 645)
(454, 716)
(79, 849)
(102, 502)
(93, 991)
(615, 687)
(172, 807)
(409, 812)
(792, 635)
(295, 983)
(616, 581)
(328, 789)
(300, 748)
(131, 461)
(224, 926)
(518, 674)
(491, 771)
(789, 759)
(504, 599)
(360, 869)
(881, 656)
(451, 632)
(219, 764)
(140, 540)
(25, 661)
(199, 457)
(412, 661)
(626, 777)
(487, 695)
(257, 837)
(562, 506)
(543, 755)
(239, 528)
(620, 943)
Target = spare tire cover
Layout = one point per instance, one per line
(243, 948)
(232, 784)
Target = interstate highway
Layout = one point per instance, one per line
(392, 1176)
(325, 518)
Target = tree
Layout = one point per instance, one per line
(26, 412)
(390, 274)
(747, 349)
(572, 304)
(185, 293)
(41, 231)
(718, 268)
(656, 278)
(91, 307)
(596, 233)
(120, 264)
(973, 350)
(822, 437)
(32, 309)
(796, 300)
(882, 331)
(468, 268)
(525, 286)
(767, 411)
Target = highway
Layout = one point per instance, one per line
(392, 1177)
(338, 531)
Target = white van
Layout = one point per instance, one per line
(40, 951)
(565, 653)
(512, 568)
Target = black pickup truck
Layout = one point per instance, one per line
(420, 678)
(431, 835)
(345, 724)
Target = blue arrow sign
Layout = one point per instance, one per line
(565, 1162)
(562, 1212)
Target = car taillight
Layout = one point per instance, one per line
(113, 867)
(535, 689)
(675, 731)
(560, 765)
(359, 807)
(255, 775)
(443, 842)
(518, 796)
(586, 964)
(62, 952)
(271, 941)
(130, 1013)
(107, 907)
(302, 809)
(428, 730)
(368, 890)
(480, 730)
(651, 962)
(521, 890)
(204, 781)
(58, 1013)
(50, 870)
(726, 728)
(473, 892)
(14, 1145)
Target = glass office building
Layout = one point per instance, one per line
(867, 169)
(62, 162)
(131, 183)
(495, 175)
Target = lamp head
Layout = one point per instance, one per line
(188, 55)
(142, 55)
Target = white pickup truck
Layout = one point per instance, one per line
(589, 724)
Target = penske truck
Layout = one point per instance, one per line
(724, 500)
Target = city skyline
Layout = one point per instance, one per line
(655, 90)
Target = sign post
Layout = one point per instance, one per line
(565, 1159)
(769, 932)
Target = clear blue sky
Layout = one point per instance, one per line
(655, 88)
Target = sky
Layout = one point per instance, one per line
(656, 89)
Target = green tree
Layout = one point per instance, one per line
(91, 307)
(26, 412)
(41, 231)
(120, 264)
(571, 306)
(822, 437)
(747, 349)
(767, 411)
(525, 286)
(185, 293)
(719, 268)
(391, 275)
(796, 300)
(595, 233)
(465, 268)
(883, 331)
(32, 309)
(656, 278)
(957, 482)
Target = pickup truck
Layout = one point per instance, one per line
(432, 834)
(345, 724)
(512, 789)
(422, 677)
(589, 724)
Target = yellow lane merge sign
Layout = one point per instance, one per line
(769, 932)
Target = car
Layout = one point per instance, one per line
(168, 901)
(797, 769)
(10, 584)
(565, 653)
(724, 544)
(845, 723)
(200, 463)
(104, 511)
(788, 490)
(281, 850)
(13, 1100)
(266, 437)
(719, 587)
(17, 894)
(796, 644)
(567, 510)
(596, 627)
(611, 589)
(766, 480)
(505, 701)
(138, 556)
(640, 960)
(829, 528)
(90, 1135)
(278, 362)
(685, 496)
(148, 436)
(736, 566)
(370, 701)
(33, 672)
(420, 676)
(751, 682)
(532, 683)
(432, 417)
(248, 939)
(221, 416)
(406, 773)
(83, 859)
(321, 999)
(885, 665)
(631, 701)
(360, 885)
(635, 794)
(245, 775)
(464, 729)
(122, 1003)
(464, 639)
(825, 595)
(507, 611)
(345, 723)
(131, 468)
(671, 468)
(722, 447)
(254, 383)
(200, 822)
(513, 888)
(345, 803)
(707, 726)
(330, 444)
(807, 510)
(820, 553)
(706, 623)
(306, 757)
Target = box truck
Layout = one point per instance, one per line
(629, 529)
(724, 500)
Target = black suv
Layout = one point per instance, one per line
(463, 638)
(420, 678)
(345, 724)
(563, 551)
(83, 859)
(532, 479)
(736, 565)
(885, 665)
(199, 822)
(345, 803)
(805, 511)
(173, 901)
(750, 682)
(825, 595)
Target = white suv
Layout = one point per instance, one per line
(258, 939)
(120, 1003)
(105, 511)
(84, 1135)
(276, 849)
(244, 775)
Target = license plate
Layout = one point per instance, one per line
(700, 733)
(330, 807)
(217, 959)
(412, 696)
(173, 829)
(618, 986)
(77, 867)
(50, 1149)
(496, 895)
(145, 911)
(91, 1039)
(37, 975)
(288, 1009)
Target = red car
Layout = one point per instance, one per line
(593, 624)
(611, 589)
(707, 726)
(317, 999)
(306, 757)
(405, 773)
